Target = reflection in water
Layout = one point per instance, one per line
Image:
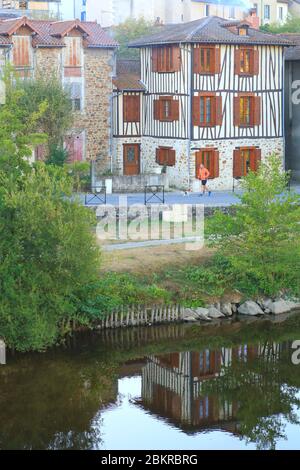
(87, 396)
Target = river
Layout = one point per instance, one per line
(222, 386)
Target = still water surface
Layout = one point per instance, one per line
(229, 386)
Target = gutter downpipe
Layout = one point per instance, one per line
(190, 114)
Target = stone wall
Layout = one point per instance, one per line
(182, 175)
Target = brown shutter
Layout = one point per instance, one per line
(196, 59)
(257, 158)
(237, 164)
(125, 108)
(237, 61)
(219, 111)
(176, 56)
(171, 157)
(158, 156)
(154, 59)
(196, 110)
(137, 108)
(217, 68)
(236, 111)
(175, 110)
(256, 111)
(216, 170)
(198, 161)
(255, 62)
(156, 109)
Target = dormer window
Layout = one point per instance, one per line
(243, 30)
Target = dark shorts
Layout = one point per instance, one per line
(204, 182)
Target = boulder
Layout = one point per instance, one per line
(213, 312)
(202, 313)
(234, 308)
(266, 304)
(226, 309)
(280, 306)
(250, 308)
(195, 314)
(190, 318)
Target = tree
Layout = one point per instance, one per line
(261, 237)
(58, 116)
(128, 31)
(291, 25)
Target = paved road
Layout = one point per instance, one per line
(217, 198)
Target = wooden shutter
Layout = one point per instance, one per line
(257, 153)
(156, 108)
(237, 164)
(217, 54)
(196, 110)
(219, 111)
(175, 110)
(256, 111)
(216, 165)
(236, 111)
(154, 59)
(176, 59)
(237, 61)
(131, 108)
(196, 60)
(158, 155)
(255, 59)
(171, 157)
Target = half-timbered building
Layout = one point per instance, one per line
(209, 91)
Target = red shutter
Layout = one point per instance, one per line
(175, 110)
(158, 156)
(196, 110)
(237, 164)
(125, 108)
(154, 59)
(176, 59)
(217, 68)
(255, 62)
(216, 165)
(171, 157)
(156, 108)
(196, 64)
(257, 158)
(219, 111)
(256, 111)
(131, 108)
(237, 61)
(236, 111)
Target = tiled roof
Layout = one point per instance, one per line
(50, 34)
(209, 30)
(292, 53)
(128, 75)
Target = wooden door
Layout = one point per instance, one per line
(131, 158)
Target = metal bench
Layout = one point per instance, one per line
(156, 192)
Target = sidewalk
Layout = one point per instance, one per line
(217, 198)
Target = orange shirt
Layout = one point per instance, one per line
(203, 174)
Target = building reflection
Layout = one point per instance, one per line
(172, 385)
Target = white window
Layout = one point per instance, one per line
(267, 12)
(206, 10)
(232, 12)
(280, 13)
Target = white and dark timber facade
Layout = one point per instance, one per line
(209, 91)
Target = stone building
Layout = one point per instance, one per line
(83, 57)
(210, 91)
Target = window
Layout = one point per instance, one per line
(245, 159)
(166, 109)
(255, 6)
(165, 156)
(206, 10)
(246, 61)
(207, 110)
(131, 108)
(267, 12)
(280, 13)
(209, 157)
(231, 12)
(206, 60)
(166, 59)
(76, 104)
(246, 110)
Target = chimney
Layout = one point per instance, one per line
(252, 18)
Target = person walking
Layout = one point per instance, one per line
(203, 176)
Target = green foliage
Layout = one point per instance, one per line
(18, 126)
(81, 174)
(58, 117)
(57, 156)
(291, 25)
(48, 255)
(128, 31)
(261, 239)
